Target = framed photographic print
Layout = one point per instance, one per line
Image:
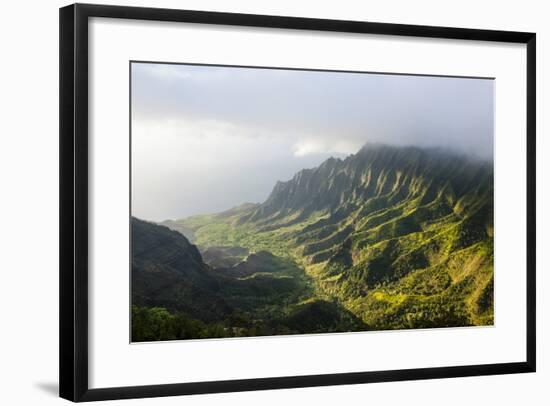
(257, 202)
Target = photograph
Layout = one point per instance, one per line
(270, 201)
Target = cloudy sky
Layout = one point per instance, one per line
(205, 139)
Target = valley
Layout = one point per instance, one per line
(387, 238)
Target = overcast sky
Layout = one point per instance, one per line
(205, 139)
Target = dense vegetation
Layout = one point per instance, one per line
(388, 238)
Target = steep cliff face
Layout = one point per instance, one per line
(376, 171)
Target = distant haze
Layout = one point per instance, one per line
(205, 139)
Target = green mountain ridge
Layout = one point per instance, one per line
(398, 237)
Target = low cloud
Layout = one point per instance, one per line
(311, 146)
(206, 138)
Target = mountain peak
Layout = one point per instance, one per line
(376, 170)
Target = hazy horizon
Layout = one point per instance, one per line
(205, 139)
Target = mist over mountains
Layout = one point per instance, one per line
(375, 170)
(386, 238)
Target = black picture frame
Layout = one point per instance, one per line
(73, 254)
